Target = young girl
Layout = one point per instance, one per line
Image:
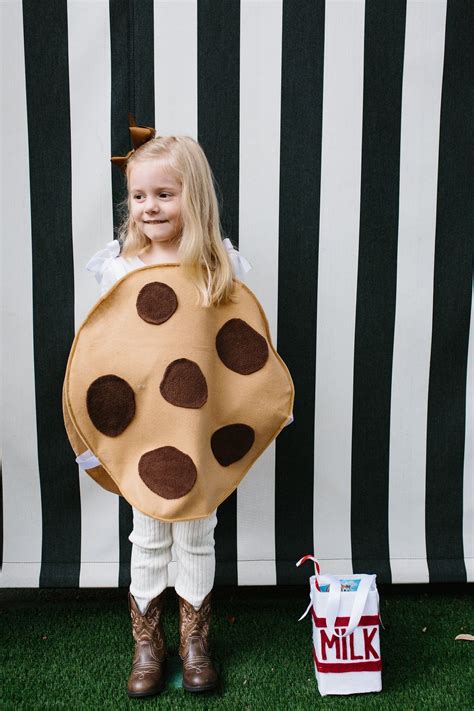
(172, 217)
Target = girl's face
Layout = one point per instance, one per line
(155, 200)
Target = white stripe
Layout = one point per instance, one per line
(260, 97)
(337, 278)
(92, 228)
(176, 100)
(175, 37)
(421, 102)
(468, 513)
(21, 486)
(335, 566)
(256, 572)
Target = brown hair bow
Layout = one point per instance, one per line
(140, 135)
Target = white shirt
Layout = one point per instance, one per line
(108, 266)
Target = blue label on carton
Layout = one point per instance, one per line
(346, 585)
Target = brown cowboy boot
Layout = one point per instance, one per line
(199, 673)
(148, 667)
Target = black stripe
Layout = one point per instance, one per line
(49, 141)
(376, 284)
(142, 61)
(132, 78)
(451, 302)
(132, 86)
(218, 133)
(300, 179)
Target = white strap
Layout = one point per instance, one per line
(101, 259)
(239, 264)
(360, 601)
(87, 460)
(306, 611)
(333, 599)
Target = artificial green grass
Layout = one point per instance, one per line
(65, 649)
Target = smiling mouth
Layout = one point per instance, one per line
(156, 222)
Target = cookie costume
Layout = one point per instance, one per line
(178, 400)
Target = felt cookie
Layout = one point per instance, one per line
(175, 400)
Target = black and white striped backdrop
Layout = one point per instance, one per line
(341, 136)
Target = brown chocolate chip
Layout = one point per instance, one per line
(184, 384)
(168, 472)
(156, 302)
(240, 347)
(110, 404)
(231, 443)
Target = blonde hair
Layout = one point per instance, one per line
(201, 250)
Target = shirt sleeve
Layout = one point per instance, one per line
(240, 265)
(103, 266)
(109, 278)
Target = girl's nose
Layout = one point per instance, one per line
(151, 204)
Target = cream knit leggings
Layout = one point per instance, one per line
(193, 543)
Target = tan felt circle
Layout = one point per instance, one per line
(240, 347)
(231, 443)
(184, 384)
(186, 447)
(110, 404)
(168, 472)
(156, 302)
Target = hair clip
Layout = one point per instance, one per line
(140, 135)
